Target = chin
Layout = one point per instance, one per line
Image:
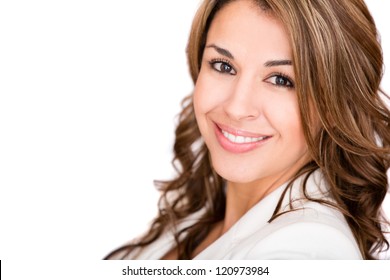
(235, 175)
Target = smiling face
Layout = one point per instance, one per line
(245, 101)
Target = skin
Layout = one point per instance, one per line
(246, 85)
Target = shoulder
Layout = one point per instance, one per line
(314, 232)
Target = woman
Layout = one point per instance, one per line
(282, 149)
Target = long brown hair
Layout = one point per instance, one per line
(338, 67)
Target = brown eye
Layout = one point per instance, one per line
(223, 67)
(281, 81)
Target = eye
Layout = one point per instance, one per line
(280, 80)
(222, 67)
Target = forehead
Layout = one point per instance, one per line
(244, 25)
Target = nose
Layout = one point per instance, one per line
(241, 102)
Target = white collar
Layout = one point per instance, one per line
(256, 218)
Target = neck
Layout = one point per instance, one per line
(241, 197)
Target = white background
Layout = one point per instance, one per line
(89, 94)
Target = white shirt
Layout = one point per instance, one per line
(316, 231)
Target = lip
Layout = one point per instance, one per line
(238, 148)
(238, 132)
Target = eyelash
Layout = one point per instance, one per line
(222, 61)
(276, 75)
(284, 76)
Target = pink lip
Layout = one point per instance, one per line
(237, 147)
(238, 132)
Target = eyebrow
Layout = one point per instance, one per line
(221, 51)
(270, 63)
(273, 63)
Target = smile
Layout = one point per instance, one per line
(241, 139)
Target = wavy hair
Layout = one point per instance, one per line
(338, 66)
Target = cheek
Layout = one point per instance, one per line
(284, 115)
(201, 104)
(199, 97)
(212, 88)
(206, 95)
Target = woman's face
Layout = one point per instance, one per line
(245, 99)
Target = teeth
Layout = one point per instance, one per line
(241, 139)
